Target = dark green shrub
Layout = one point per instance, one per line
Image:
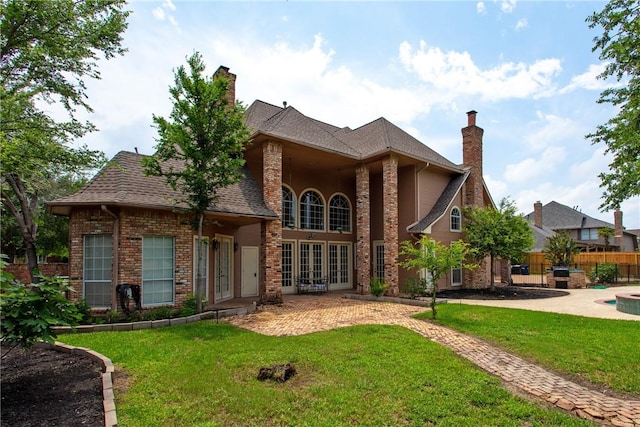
(378, 286)
(189, 307)
(158, 313)
(604, 273)
(30, 311)
(86, 316)
(416, 288)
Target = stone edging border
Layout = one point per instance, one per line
(108, 397)
(148, 324)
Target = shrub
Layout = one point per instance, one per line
(158, 313)
(86, 317)
(416, 287)
(189, 307)
(604, 273)
(378, 286)
(30, 311)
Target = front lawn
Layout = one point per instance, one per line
(204, 374)
(601, 351)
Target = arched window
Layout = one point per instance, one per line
(456, 219)
(339, 214)
(311, 211)
(288, 208)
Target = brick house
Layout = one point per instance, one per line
(317, 202)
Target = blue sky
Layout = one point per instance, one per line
(526, 67)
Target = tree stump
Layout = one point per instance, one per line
(278, 373)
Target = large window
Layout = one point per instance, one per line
(339, 214)
(589, 234)
(456, 276)
(456, 219)
(311, 211)
(288, 208)
(97, 270)
(157, 270)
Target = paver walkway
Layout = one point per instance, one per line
(314, 313)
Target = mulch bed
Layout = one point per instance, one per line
(44, 387)
(502, 293)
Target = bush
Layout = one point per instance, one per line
(604, 273)
(416, 288)
(158, 313)
(189, 307)
(86, 317)
(30, 311)
(378, 287)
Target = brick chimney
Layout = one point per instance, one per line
(472, 158)
(223, 71)
(537, 214)
(618, 228)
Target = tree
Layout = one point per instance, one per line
(498, 233)
(206, 134)
(606, 233)
(620, 50)
(435, 259)
(560, 249)
(47, 49)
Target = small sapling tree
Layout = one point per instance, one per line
(206, 135)
(435, 259)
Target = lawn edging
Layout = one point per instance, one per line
(149, 324)
(108, 396)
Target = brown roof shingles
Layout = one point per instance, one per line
(123, 182)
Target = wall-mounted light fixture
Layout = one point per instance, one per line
(310, 236)
(235, 246)
(215, 244)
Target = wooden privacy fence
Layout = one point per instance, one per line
(628, 264)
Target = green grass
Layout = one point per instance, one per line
(601, 351)
(204, 374)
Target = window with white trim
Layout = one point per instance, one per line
(456, 276)
(456, 219)
(96, 278)
(589, 234)
(158, 269)
(378, 260)
(288, 208)
(339, 213)
(311, 211)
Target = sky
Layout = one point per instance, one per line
(526, 67)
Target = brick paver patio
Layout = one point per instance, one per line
(305, 314)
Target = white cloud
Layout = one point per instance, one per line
(481, 8)
(508, 6)
(456, 73)
(551, 130)
(531, 168)
(521, 24)
(165, 12)
(588, 80)
(158, 13)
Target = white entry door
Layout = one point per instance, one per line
(224, 268)
(249, 271)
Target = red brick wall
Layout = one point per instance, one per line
(363, 221)
(21, 271)
(271, 231)
(133, 225)
(390, 227)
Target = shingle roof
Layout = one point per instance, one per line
(441, 205)
(560, 217)
(366, 141)
(123, 182)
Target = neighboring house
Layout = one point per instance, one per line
(316, 202)
(553, 217)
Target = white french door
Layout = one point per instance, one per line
(340, 265)
(288, 266)
(204, 268)
(311, 260)
(224, 268)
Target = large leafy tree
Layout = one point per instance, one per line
(434, 258)
(47, 50)
(206, 135)
(620, 49)
(497, 233)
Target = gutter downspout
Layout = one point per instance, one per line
(115, 263)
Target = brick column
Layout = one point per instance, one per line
(363, 226)
(618, 229)
(271, 231)
(390, 225)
